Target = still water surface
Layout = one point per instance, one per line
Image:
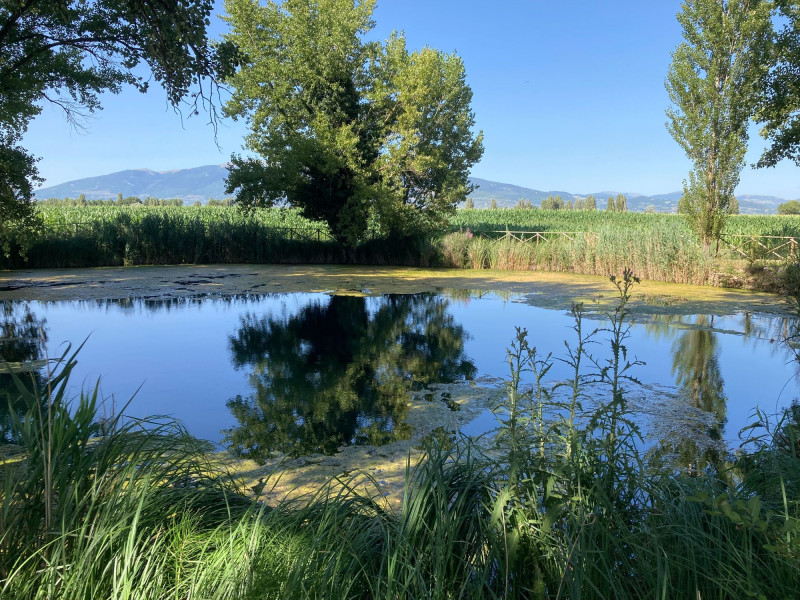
(303, 373)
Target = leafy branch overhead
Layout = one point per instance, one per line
(68, 52)
(359, 134)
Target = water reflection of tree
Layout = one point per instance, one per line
(22, 340)
(697, 373)
(339, 372)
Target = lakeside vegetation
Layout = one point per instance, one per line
(375, 141)
(565, 504)
(660, 247)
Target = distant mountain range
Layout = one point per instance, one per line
(507, 195)
(202, 183)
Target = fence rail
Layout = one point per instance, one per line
(748, 246)
(762, 246)
(536, 236)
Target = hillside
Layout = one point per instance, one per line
(202, 183)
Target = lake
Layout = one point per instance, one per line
(303, 373)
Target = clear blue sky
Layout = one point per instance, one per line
(569, 95)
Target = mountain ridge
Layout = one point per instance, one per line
(199, 184)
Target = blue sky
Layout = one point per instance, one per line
(569, 95)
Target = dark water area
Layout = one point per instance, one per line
(307, 373)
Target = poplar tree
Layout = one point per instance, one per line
(712, 83)
(778, 108)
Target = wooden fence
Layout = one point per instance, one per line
(749, 247)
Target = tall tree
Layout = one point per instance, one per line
(67, 52)
(353, 132)
(621, 204)
(552, 203)
(792, 207)
(779, 103)
(712, 83)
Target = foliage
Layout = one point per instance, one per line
(791, 207)
(778, 108)
(552, 203)
(712, 83)
(621, 204)
(522, 204)
(69, 52)
(350, 131)
(18, 175)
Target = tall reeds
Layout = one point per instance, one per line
(658, 255)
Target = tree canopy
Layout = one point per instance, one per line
(68, 52)
(712, 82)
(791, 207)
(552, 203)
(778, 108)
(359, 134)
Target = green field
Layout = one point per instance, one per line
(564, 220)
(660, 247)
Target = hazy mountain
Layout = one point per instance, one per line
(199, 183)
(507, 195)
(202, 183)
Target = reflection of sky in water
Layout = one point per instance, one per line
(180, 354)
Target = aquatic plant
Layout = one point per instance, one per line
(566, 505)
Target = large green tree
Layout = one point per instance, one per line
(712, 83)
(792, 207)
(779, 106)
(68, 52)
(355, 133)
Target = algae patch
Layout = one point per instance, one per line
(374, 471)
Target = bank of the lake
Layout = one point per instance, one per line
(564, 501)
(555, 289)
(660, 247)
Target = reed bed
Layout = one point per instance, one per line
(658, 246)
(659, 254)
(564, 505)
